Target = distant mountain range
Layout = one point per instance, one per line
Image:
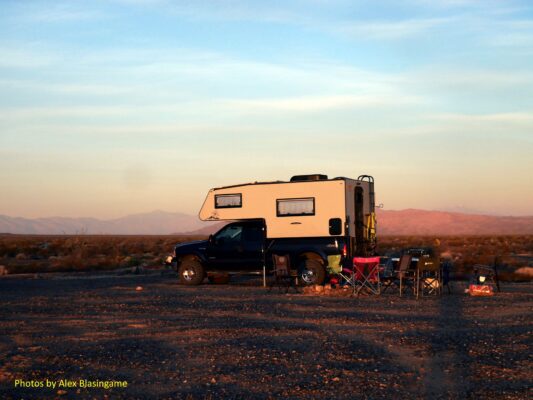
(153, 223)
(422, 222)
(390, 222)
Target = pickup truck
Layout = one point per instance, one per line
(243, 247)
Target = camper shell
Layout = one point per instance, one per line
(307, 206)
(309, 219)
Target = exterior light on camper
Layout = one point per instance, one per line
(344, 251)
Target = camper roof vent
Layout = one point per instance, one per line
(313, 177)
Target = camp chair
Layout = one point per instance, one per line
(334, 264)
(347, 275)
(387, 273)
(366, 274)
(282, 273)
(334, 267)
(406, 275)
(429, 276)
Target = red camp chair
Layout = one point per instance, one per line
(366, 275)
(347, 276)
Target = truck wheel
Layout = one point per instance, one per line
(311, 272)
(191, 272)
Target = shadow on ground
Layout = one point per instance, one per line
(237, 341)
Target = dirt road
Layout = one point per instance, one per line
(237, 341)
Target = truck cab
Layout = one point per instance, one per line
(236, 247)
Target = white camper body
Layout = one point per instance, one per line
(302, 208)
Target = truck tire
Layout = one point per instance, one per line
(191, 272)
(311, 272)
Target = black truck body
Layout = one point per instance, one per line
(242, 246)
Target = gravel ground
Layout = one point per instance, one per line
(237, 341)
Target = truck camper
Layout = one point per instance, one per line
(307, 218)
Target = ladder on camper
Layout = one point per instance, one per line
(370, 225)
(370, 180)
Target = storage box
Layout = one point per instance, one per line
(480, 290)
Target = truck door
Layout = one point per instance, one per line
(225, 249)
(237, 246)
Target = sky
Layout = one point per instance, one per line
(109, 108)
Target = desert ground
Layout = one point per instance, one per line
(239, 341)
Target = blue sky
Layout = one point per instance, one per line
(115, 107)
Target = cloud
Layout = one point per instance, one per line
(180, 74)
(524, 40)
(215, 108)
(315, 103)
(515, 118)
(28, 113)
(54, 12)
(455, 77)
(67, 88)
(387, 30)
(26, 55)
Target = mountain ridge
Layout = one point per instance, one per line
(390, 222)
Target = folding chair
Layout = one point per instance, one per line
(347, 275)
(282, 273)
(387, 273)
(429, 276)
(406, 274)
(333, 268)
(366, 274)
(334, 264)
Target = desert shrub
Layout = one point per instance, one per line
(131, 261)
(86, 252)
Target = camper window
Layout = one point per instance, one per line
(228, 200)
(295, 207)
(335, 226)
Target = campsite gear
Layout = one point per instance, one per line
(485, 275)
(406, 275)
(388, 273)
(386, 265)
(429, 276)
(366, 275)
(347, 275)
(480, 290)
(334, 268)
(283, 276)
(334, 264)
